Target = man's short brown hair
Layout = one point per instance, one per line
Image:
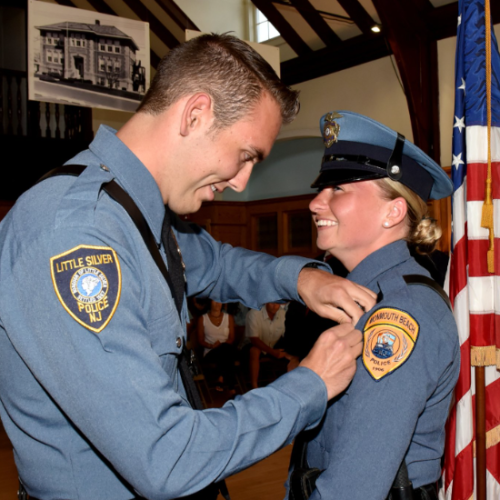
(228, 70)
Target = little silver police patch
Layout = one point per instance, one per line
(389, 338)
(87, 281)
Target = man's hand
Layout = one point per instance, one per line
(333, 297)
(333, 357)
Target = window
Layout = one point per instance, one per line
(117, 50)
(56, 59)
(78, 43)
(102, 47)
(264, 29)
(110, 49)
(49, 40)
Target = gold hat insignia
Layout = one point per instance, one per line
(331, 129)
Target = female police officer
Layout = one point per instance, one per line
(372, 203)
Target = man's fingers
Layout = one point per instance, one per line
(335, 314)
(365, 298)
(334, 355)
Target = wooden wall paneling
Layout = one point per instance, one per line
(265, 233)
(441, 211)
(5, 206)
(284, 209)
(225, 221)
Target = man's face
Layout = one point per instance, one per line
(216, 160)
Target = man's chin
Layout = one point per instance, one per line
(184, 209)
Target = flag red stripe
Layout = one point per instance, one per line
(476, 183)
(493, 405)
(464, 379)
(493, 462)
(478, 265)
(483, 328)
(458, 268)
(449, 448)
(463, 479)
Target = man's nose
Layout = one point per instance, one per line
(239, 182)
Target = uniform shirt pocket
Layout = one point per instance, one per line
(167, 340)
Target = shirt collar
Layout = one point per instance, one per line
(133, 176)
(380, 261)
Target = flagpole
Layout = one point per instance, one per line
(480, 433)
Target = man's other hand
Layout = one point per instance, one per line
(333, 297)
(333, 357)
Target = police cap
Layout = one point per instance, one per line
(359, 148)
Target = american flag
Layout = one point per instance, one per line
(474, 289)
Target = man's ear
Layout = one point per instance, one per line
(397, 212)
(197, 112)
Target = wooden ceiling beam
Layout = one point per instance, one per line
(348, 54)
(408, 33)
(103, 8)
(358, 14)
(177, 15)
(285, 29)
(159, 29)
(317, 23)
(443, 21)
(66, 3)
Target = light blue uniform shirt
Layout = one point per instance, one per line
(374, 424)
(103, 415)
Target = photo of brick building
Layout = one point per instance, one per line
(96, 54)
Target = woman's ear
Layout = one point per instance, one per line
(397, 212)
(197, 113)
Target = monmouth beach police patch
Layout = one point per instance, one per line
(87, 280)
(389, 338)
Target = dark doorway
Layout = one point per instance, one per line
(79, 65)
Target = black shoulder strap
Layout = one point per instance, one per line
(418, 279)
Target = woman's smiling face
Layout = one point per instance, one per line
(350, 220)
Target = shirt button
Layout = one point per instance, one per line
(103, 167)
(178, 342)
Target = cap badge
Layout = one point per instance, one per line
(331, 129)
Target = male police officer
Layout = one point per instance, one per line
(90, 334)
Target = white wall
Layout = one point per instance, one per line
(371, 89)
(212, 16)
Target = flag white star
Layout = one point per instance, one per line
(459, 20)
(457, 160)
(460, 123)
(462, 87)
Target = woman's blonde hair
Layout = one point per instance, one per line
(423, 231)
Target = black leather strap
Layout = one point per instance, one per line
(396, 159)
(418, 279)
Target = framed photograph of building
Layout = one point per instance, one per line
(85, 58)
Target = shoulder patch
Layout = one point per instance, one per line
(389, 338)
(87, 280)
